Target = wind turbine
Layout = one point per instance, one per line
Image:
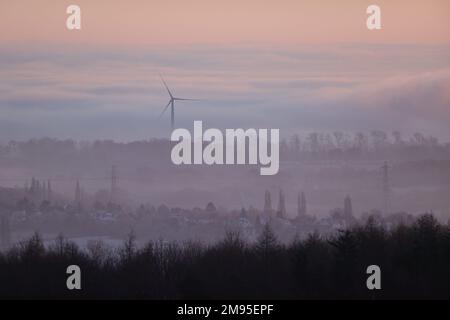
(172, 104)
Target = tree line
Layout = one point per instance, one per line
(414, 262)
(336, 145)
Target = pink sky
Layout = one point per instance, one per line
(170, 22)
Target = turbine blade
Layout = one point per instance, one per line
(165, 85)
(164, 110)
(182, 99)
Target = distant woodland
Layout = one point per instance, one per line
(414, 263)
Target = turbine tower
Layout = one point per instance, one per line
(171, 103)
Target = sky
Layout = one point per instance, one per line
(295, 65)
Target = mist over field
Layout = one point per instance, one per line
(62, 186)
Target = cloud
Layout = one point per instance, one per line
(419, 102)
(351, 87)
